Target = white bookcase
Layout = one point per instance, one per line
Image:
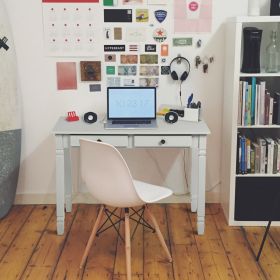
(237, 192)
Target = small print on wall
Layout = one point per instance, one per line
(192, 16)
(66, 75)
(132, 2)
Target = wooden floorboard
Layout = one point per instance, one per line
(30, 248)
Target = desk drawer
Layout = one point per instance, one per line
(162, 141)
(115, 140)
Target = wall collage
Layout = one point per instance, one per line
(130, 40)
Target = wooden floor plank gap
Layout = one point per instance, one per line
(188, 217)
(224, 247)
(169, 241)
(252, 252)
(20, 228)
(35, 247)
(64, 242)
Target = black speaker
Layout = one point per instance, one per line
(252, 37)
(275, 7)
(90, 117)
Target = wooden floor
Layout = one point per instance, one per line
(30, 248)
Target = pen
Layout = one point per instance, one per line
(190, 100)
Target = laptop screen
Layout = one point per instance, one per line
(131, 103)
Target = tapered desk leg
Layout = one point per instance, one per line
(194, 174)
(60, 185)
(201, 185)
(68, 176)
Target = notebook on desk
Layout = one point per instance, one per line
(131, 107)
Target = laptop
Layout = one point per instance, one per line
(131, 107)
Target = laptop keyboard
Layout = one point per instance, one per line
(131, 122)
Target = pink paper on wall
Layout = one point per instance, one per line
(66, 75)
(192, 16)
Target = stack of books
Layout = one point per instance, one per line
(256, 105)
(261, 156)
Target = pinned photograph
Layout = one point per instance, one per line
(148, 82)
(164, 50)
(149, 70)
(118, 33)
(90, 70)
(135, 34)
(149, 59)
(129, 59)
(110, 57)
(127, 70)
(113, 82)
(165, 70)
(129, 82)
(142, 15)
(132, 2)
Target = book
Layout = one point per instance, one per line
(243, 155)
(276, 109)
(239, 116)
(266, 108)
(271, 100)
(262, 96)
(262, 144)
(256, 148)
(275, 155)
(248, 155)
(253, 99)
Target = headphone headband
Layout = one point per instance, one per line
(185, 74)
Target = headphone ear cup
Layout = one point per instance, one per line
(184, 76)
(174, 75)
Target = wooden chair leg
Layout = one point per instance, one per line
(92, 236)
(159, 234)
(127, 244)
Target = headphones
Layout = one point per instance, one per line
(185, 74)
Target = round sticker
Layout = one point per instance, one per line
(193, 6)
(160, 35)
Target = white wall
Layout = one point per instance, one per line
(42, 105)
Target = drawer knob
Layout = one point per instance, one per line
(99, 140)
(162, 141)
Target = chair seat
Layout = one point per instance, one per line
(151, 193)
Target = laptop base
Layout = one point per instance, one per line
(110, 125)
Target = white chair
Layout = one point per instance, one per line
(107, 176)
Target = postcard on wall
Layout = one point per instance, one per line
(113, 82)
(90, 70)
(110, 57)
(134, 34)
(132, 2)
(148, 59)
(157, 2)
(66, 75)
(127, 70)
(148, 82)
(142, 15)
(117, 33)
(129, 59)
(192, 16)
(117, 15)
(129, 82)
(149, 70)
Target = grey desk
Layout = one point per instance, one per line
(180, 135)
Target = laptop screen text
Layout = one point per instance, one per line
(131, 103)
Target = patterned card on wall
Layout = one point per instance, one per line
(70, 27)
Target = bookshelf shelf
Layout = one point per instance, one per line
(259, 126)
(262, 74)
(242, 193)
(258, 175)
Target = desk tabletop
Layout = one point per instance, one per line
(64, 127)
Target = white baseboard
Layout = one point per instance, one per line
(31, 198)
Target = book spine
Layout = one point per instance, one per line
(244, 102)
(243, 152)
(257, 159)
(239, 117)
(275, 155)
(249, 106)
(253, 100)
(266, 108)
(248, 155)
(270, 111)
(262, 96)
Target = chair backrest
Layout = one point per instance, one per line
(106, 175)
